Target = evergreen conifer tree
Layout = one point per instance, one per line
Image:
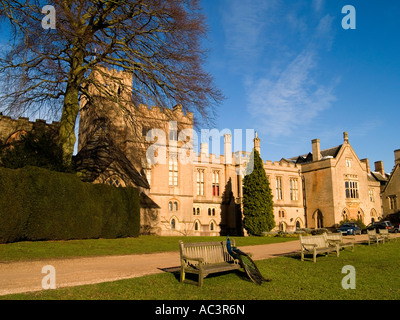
(258, 209)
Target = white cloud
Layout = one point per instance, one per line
(245, 24)
(276, 48)
(291, 101)
(317, 5)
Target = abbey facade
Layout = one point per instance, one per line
(185, 191)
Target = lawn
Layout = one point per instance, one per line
(377, 278)
(21, 251)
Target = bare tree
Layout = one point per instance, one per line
(158, 41)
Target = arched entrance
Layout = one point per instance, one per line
(318, 218)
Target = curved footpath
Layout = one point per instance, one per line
(17, 277)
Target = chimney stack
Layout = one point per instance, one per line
(397, 156)
(366, 161)
(204, 148)
(228, 148)
(316, 150)
(204, 153)
(379, 167)
(345, 137)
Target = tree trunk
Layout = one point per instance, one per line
(70, 110)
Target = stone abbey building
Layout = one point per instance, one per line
(185, 192)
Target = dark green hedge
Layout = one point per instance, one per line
(38, 204)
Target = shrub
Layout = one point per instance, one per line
(37, 148)
(258, 209)
(38, 204)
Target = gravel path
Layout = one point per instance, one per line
(17, 277)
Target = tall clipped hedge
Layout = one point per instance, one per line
(38, 204)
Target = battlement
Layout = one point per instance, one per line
(165, 114)
(9, 125)
(282, 164)
(24, 120)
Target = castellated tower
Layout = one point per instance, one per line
(100, 109)
(125, 122)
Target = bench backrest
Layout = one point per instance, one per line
(335, 236)
(211, 252)
(371, 232)
(383, 231)
(320, 240)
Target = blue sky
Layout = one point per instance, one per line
(290, 71)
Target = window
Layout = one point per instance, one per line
(196, 226)
(345, 215)
(294, 189)
(360, 216)
(173, 206)
(279, 188)
(351, 189)
(371, 195)
(348, 163)
(281, 213)
(215, 183)
(115, 182)
(196, 211)
(212, 226)
(173, 172)
(393, 202)
(200, 182)
(173, 224)
(211, 211)
(173, 135)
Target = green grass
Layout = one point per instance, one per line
(377, 278)
(21, 251)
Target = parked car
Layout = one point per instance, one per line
(382, 225)
(388, 225)
(349, 228)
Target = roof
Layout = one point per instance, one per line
(147, 202)
(99, 154)
(378, 176)
(326, 153)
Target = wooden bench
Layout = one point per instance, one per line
(339, 239)
(374, 237)
(204, 258)
(317, 244)
(384, 233)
